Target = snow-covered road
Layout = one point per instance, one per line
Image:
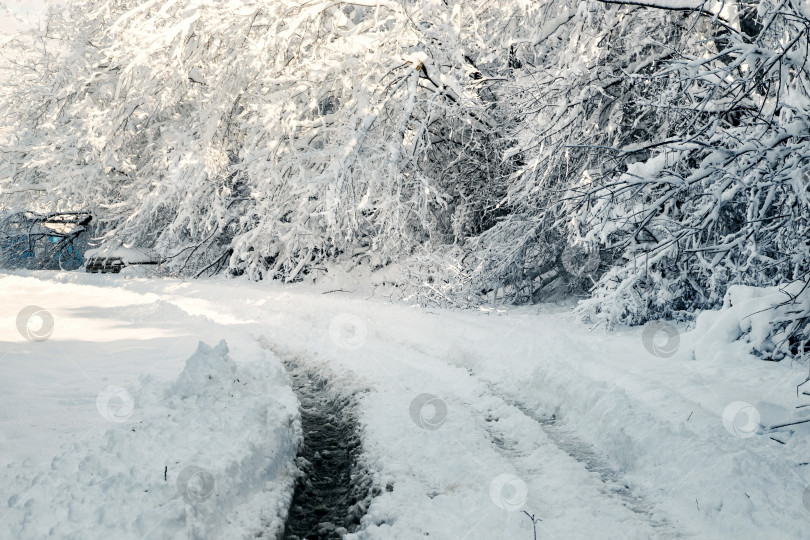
(469, 421)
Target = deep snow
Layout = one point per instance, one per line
(108, 433)
(468, 419)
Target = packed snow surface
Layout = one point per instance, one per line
(471, 421)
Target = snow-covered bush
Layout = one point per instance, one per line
(724, 196)
(765, 321)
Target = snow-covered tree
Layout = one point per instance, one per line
(577, 86)
(261, 136)
(724, 198)
(506, 151)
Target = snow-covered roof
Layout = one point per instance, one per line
(128, 255)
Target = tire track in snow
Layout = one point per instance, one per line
(614, 484)
(333, 492)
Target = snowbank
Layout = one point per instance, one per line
(753, 320)
(207, 455)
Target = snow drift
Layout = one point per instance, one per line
(207, 455)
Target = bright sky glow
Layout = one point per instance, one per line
(24, 9)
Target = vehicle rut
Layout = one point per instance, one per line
(613, 481)
(332, 493)
(334, 489)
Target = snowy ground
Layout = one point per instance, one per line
(106, 431)
(468, 419)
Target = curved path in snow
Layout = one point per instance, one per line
(473, 422)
